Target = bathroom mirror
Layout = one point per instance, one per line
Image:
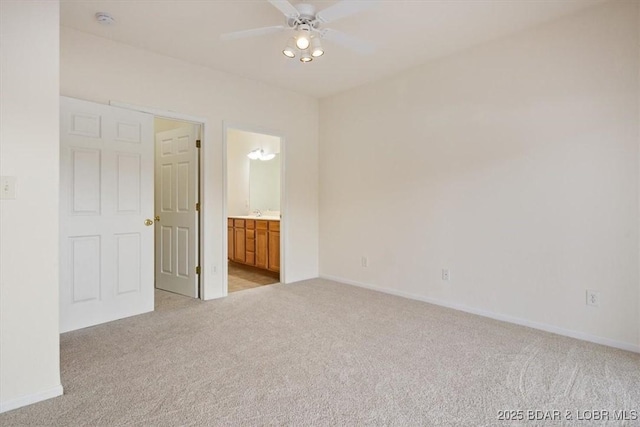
(264, 184)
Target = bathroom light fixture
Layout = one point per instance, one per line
(259, 154)
(255, 154)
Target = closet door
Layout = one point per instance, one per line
(176, 203)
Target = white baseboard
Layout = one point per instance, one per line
(32, 398)
(497, 316)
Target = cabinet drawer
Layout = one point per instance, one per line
(229, 222)
(238, 223)
(261, 224)
(274, 225)
(251, 234)
(251, 224)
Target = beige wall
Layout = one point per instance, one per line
(101, 70)
(29, 133)
(514, 164)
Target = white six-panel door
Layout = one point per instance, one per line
(106, 194)
(177, 218)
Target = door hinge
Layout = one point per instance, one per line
(198, 206)
(198, 270)
(197, 143)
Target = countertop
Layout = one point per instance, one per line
(263, 217)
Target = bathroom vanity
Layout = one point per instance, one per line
(254, 241)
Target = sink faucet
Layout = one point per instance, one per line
(257, 213)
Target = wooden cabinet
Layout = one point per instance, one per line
(236, 240)
(250, 243)
(239, 242)
(262, 244)
(230, 239)
(273, 237)
(255, 242)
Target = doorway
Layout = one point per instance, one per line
(254, 194)
(177, 206)
(109, 204)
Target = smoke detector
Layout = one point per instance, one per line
(104, 18)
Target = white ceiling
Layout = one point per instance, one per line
(405, 32)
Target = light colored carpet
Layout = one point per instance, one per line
(323, 353)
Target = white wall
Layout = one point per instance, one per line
(101, 70)
(162, 125)
(239, 144)
(29, 134)
(514, 164)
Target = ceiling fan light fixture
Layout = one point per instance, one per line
(303, 39)
(306, 56)
(266, 157)
(289, 50)
(302, 42)
(316, 47)
(308, 26)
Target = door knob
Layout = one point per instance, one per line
(157, 218)
(148, 222)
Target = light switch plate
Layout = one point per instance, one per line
(7, 187)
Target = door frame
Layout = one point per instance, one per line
(226, 125)
(204, 221)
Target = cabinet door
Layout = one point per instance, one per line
(251, 258)
(250, 246)
(261, 248)
(239, 245)
(274, 251)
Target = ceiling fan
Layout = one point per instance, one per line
(308, 25)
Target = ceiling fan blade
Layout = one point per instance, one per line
(348, 41)
(342, 10)
(285, 7)
(252, 33)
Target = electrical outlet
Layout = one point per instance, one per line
(364, 261)
(446, 274)
(8, 187)
(593, 298)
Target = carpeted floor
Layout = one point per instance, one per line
(323, 353)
